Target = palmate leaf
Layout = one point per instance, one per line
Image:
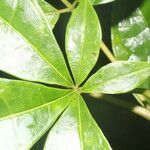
(50, 12)
(28, 49)
(76, 129)
(27, 111)
(131, 33)
(118, 77)
(83, 37)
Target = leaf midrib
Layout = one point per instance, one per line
(49, 28)
(34, 48)
(32, 109)
(46, 129)
(80, 63)
(109, 81)
(80, 126)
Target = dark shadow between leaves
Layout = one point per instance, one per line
(8, 76)
(123, 129)
(123, 9)
(59, 32)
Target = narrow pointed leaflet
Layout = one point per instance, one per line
(83, 37)
(28, 49)
(76, 129)
(27, 111)
(118, 77)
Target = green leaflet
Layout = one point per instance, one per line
(118, 77)
(83, 37)
(131, 33)
(130, 30)
(97, 2)
(50, 12)
(76, 129)
(27, 111)
(28, 49)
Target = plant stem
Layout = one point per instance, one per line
(66, 3)
(141, 111)
(74, 3)
(69, 8)
(61, 11)
(107, 52)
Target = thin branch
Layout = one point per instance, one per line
(75, 3)
(141, 111)
(61, 11)
(66, 3)
(69, 8)
(107, 52)
(65, 10)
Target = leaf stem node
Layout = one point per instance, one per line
(77, 89)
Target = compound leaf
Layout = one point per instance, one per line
(27, 111)
(83, 37)
(76, 129)
(28, 49)
(118, 77)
